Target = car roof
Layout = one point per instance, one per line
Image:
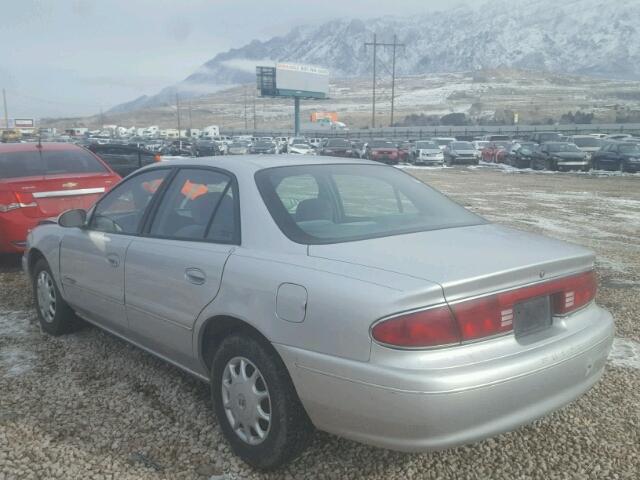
(260, 162)
(33, 146)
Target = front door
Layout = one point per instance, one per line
(92, 258)
(175, 269)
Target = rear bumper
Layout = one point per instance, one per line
(14, 227)
(423, 409)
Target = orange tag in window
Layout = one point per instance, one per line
(152, 186)
(193, 190)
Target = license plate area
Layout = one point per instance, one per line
(531, 316)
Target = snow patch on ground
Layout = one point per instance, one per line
(16, 359)
(625, 353)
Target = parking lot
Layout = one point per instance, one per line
(89, 405)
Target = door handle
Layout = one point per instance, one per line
(113, 260)
(195, 276)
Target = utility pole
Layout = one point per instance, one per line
(255, 124)
(375, 44)
(246, 127)
(393, 76)
(190, 123)
(6, 112)
(178, 112)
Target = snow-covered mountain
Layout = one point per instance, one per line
(588, 37)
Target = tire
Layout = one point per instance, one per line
(287, 431)
(55, 315)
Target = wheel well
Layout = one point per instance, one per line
(220, 327)
(34, 256)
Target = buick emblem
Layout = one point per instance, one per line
(69, 185)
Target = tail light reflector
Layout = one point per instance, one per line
(427, 328)
(482, 317)
(14, 200)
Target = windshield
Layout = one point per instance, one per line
(443, 141)
(315, 204)
(562, 147)
(381, 144)
(51, 162)
(461, 146)
(587, 142)
(426, 146)
(635, 149)
(338, 144)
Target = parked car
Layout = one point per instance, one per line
(382, 151)
(622, 156)
(349, 299)
(39, 181)
(442, 142)
(315, 142)
(478, 145)
(296, 140)
(238, 147)
(301, 149)
(179, 148)
(492, 151)
(460, 153)
(358, 148)
(263, 146)
(337, 147)
(124, 159)
(426, 152)
(521, 154)
(404, 151)
(560, 156)
(543, 137)
(586, 143)
(207, 148)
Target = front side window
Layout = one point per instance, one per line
(198, 205)
(317, 204)
(123, 208)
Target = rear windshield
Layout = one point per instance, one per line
(48, 162)
(426, 146)
(338, 143)
(381, 144)
(318, 204)
(587, 142)
(461, 146)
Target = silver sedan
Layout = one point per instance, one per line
(340, 294)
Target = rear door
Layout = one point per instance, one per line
(175, 269)
(92, 259)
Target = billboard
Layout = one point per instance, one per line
(23, 123)
(293, 80)
(332, 116)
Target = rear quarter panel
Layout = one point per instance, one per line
(343, 301)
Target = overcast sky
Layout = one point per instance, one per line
(74, 57)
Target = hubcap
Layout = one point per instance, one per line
(46, 294)
(246, 400)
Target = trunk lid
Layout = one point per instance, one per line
(53, 194)
(466, 261)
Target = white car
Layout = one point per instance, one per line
(301, 149)
(442, 142)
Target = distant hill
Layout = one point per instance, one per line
(584, 37)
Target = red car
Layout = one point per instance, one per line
(495, 152)
(39, 181)
(382, 151)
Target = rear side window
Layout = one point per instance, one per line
(48, 162)
(198, 205)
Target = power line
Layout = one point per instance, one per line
(375, 44)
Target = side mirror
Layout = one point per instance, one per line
(73, 218)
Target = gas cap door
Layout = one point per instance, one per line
(291, 302)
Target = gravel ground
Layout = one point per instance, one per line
(90, 406)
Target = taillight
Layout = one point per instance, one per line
(14, 200)
(426, 328)
(484, 316)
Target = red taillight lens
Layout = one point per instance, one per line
(482, 317)
(427, 328)
(14, 200)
